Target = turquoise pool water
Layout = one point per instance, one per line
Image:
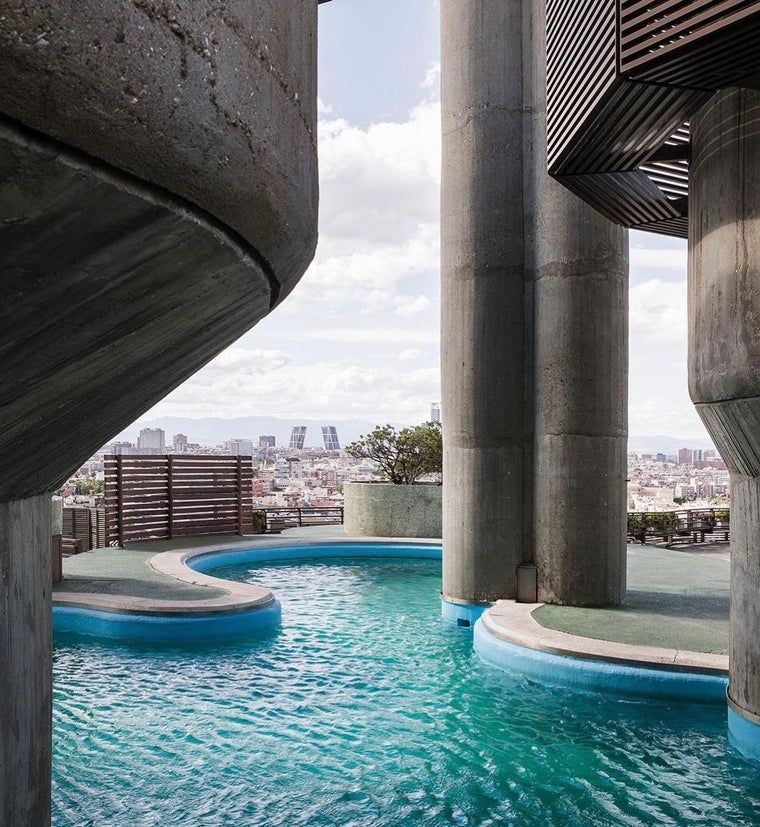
(364, 709)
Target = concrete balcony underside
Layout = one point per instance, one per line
(114, 292)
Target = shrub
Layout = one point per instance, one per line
(259, 521)
(402, 456)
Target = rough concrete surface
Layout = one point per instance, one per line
(25, 662)
(724, 343)
(114, 295)
(482, 330)
(215, 102)
(386, 510)
(534, 332)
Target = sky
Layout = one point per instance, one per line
(358, 338)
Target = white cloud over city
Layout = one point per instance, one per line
(359, 336)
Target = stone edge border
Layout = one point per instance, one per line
(174, 563)
(514, 623)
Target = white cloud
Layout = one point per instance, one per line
(370, 335)
(410, 354)
(408, 306)
(658, 312)
(432, 77)
(358, 337)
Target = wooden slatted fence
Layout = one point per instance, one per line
(164, 497)
(86, 524)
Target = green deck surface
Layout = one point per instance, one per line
(676, 598)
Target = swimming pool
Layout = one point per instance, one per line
(364, 708)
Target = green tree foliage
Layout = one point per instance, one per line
(402, 456)
(88, 485)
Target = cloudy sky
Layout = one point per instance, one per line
(358, 338)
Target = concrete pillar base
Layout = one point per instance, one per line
(25, 662)
(744, 731)
(462, 614)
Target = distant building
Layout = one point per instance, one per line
(266, 442)
(240, 447)
(435, 411)
(121, 448)
(151, 441)
(685, 456)
(661, 458)
(330, 437)
(179, 442)
(297, 438)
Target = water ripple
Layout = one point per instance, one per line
(364, 709)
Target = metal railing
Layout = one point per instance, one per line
(278, 519)
(692, 525)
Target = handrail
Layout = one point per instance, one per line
(280, 517)
(683, 525)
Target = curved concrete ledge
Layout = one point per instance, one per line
(213, 102)
(743, 730)
(509, 637)
(243, 609)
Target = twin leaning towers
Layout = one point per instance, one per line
(158, 196)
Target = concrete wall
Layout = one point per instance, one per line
(159, 196)
(724, 346)
(25, 662)
(386, 510)
(534, 340)
(214, 102)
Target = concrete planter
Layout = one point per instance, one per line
(386, 510)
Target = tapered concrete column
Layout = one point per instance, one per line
(577, 269)
(482, 299)
(534, 332)
(25, 662)
(724, 359)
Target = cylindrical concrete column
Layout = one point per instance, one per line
(25, 662)
(577, 267)
(724, 358)
(482, 298)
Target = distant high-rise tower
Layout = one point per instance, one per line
(151, 441)
(435, 411)
(685, 456)
(240, 447)
(297, 437)
(330, 437)
(180, 443)
(266, 442)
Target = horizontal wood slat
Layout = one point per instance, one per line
(147, 497)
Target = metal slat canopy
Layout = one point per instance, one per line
(623, 79)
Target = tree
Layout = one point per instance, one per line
(402, 456)
(88, 485)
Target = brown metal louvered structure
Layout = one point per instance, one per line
(623, 78)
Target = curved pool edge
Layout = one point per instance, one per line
(743, 730)
(508, 637)
(242, 610)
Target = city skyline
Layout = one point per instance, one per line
(359, 336)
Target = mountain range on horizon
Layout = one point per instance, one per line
(217, 430)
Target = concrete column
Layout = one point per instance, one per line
(482, 324)
(577, 269)
(534, 332)
(724, 359)
(25, 662)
